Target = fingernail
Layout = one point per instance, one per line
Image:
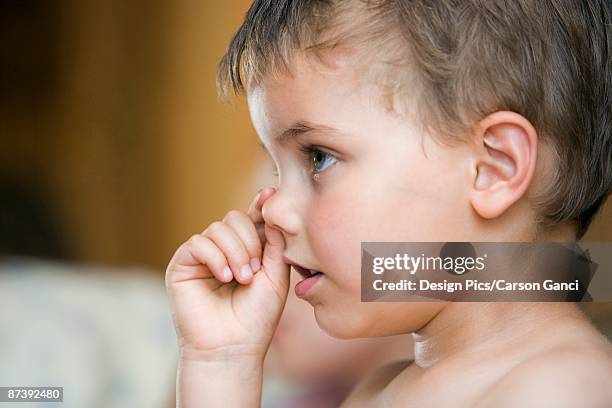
(257, 196)
(245, 272)
(227, 273)
(255, 264)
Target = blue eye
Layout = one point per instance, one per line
(319, 160)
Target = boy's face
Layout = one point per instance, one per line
(375, 178)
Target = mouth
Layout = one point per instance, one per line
(306, 273)
(310, 277)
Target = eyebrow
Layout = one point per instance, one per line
(301, 128)
(298, 129)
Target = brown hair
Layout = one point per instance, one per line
(549, 60)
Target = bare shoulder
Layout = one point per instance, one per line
(369, 389)
(568, 376)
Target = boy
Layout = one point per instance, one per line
(407, 121)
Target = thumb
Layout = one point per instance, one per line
(272, 260)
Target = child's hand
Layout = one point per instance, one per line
(218, 311)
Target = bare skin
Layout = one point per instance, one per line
(374, 176)
(225, 323)
(499, 364)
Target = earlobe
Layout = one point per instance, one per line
(505, 162)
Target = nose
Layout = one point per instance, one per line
(280, 211)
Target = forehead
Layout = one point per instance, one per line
(332, 93)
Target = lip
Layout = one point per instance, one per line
(295, 264)
(309, 279)
(301, 269)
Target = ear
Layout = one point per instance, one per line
(505, 162)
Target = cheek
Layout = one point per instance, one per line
(418, 201)
(335, 235)
(414, 200)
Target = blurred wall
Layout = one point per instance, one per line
(209, 151)
(110, 119)
(110, 123)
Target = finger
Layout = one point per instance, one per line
(247, 233)
(254, 211)
(235, 252)
(273, 264)
(202, 258)
(261, 233)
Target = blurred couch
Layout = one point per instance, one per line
(104, 334)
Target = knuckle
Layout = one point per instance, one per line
(233, 215)
(215, 262)
(192, 240)
(237, 255)
(252, 244)
(193, 245)
(215, 228)
(236, 259)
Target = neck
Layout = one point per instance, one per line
(462, 328)
(563, 232)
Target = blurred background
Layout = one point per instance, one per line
(112, 133)
(114, 149)
(112, 143)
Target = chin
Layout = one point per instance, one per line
(341, 325)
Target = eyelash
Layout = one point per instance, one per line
(311, 151)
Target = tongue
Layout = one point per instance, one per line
(303, 286)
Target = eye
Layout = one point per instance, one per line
(319, 160)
